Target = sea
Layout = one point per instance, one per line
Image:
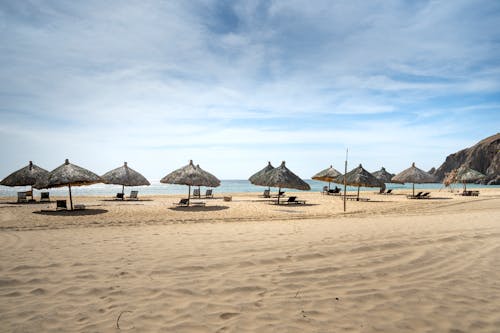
(226, 186)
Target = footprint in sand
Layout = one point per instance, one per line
(228, 315)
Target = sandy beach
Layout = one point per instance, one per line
(387, 265)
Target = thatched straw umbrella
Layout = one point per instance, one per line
(70, 174)
(191, 175)
(466, 175)
(124, 176)
(360, 177)
(282, 177)
(31, 175)
(450, 178)
(258, 178)
(413, 175)
(383, 175)
(328, 175)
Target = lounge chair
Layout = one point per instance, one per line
(426, 195)
(389, 191)
(21, 197)
(61, 205)
(335, 191)
(382, 191)
(470, 193)
(209, 194)
(119, 196)
(133, 195)
(30, 194)
(291, 200)
(266, 194)
(183, 202)
(196, 193)
(280, 194)
(355, 198)
(325, 190)
(417, 196)
(44, 197)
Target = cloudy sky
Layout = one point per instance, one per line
(233, 84)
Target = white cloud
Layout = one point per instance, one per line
(157, 81)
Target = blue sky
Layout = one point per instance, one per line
(233, 84)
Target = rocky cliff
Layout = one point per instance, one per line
(483, 157)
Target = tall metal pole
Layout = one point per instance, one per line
(345, 180)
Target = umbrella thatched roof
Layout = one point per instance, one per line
(70, 174)
(124, 176)
(213, 180)
(450, 177)
(413, 175)
(29, 175)
(282, 177)
(192, 176)
(327, 175)
(465, 174)
(359, 177)
(259, 177)
(383, 175)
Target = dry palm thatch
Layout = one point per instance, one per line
(466, 175)
(450, 178)
(282, 177)
(124, 176)
(413, 175)
(191, 175)
(383, 175)
(259, 177)
(360, 177)
(72, 175)
(31, 175)
(212, 181)
(328, 175)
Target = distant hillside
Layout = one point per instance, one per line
(483, 157)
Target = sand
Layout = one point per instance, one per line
(388, 265)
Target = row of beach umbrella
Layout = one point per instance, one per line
(359, 177)
(69, 175)
(281, 177)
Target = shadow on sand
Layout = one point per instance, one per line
(282, 205)
(114, 200)
(82, 212)
(198, 208)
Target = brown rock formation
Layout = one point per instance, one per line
(483, 157)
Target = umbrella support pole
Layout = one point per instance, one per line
(70, 197)
(189, 194)
(279, 191)
(358, 193)
(123, 192)
(413, 189)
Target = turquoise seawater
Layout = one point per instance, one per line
(227, 186)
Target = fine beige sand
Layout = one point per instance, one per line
(388, 265)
